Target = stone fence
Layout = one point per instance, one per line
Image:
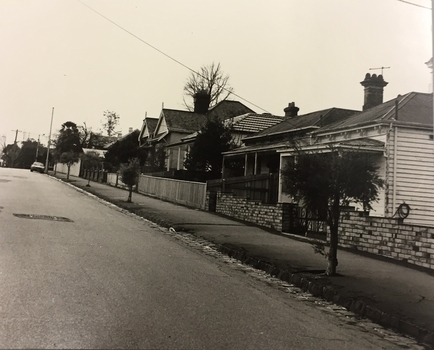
(387, 237)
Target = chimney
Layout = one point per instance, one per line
(201, 102)
(291, 111)
(373, 90)
(130, 130)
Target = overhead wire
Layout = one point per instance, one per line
(163, 53)
(417, 5)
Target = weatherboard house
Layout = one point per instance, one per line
(397, 133)
(173, 125)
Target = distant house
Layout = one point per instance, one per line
(398, 133)
(242, 126)
(173, 125)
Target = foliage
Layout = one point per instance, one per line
(10, 154)
(206, 153)
(90, 160)
(27, 154)
(210, 79)
(68, 139)
(130, 173)
(69, 158)
(111, 121)
(125, 149)
(324, 182)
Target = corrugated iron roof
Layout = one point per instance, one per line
(253, 122)
(414, 108)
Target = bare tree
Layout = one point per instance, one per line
(112, 120)
(210, 79)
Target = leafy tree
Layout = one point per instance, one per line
(209, 79)
(90, 139)
(111, 121)
(69, 158)
(206, 153)
(324, 182)
(130, 173)
(91, 160)
(68, 139)
(27, 154)
(10, 154)
(125, 149)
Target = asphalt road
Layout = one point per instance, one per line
(105, 279)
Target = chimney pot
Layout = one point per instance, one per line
(291, 111)
(201, 102)
(374, 86)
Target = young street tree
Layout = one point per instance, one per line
(206, 153)
(69, 158)
(324, 182)
(124, 149)
(211, 80)
(130, 173)
(111, 121)
(91, 160)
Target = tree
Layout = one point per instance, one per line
(324, 182)
(111, 121)
(91, 160)
(69, 158)
(209, 79)
(27, 154)
(130, 173)
(68, 139)
(125, 149)
(90, 139)
(10, 154)
(206, 153)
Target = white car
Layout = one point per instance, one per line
(37, 166)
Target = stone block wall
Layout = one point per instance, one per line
(267, 215)
(387, 237)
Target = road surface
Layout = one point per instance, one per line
(77, 273)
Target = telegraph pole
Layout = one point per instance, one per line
(49, 141)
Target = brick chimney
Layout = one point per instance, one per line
(373, 90)
(201, 102)
(291, 111)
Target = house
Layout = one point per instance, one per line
(399, 133)
(241, 127)
(173, 125)
(260, 153)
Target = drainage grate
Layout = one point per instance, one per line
(43, 217)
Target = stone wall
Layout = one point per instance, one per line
(267, 215)
(381, 236)
(387, 237)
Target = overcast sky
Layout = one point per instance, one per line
(61, 54)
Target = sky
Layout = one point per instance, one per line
(62, 54)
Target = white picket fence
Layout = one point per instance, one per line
(189, 193)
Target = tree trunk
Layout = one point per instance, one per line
(335, 214)
(67, 175)
(130, 194)
(332, 257)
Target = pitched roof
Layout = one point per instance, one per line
(311, 120)
(228, 109)
(414, 108)
(253, 122)
(183, 121)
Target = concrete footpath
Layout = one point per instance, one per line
(387, 292)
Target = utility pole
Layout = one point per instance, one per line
(16, 135)
(49, 141)
(37, 149)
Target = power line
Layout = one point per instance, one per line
(412, 3)
(162, 52)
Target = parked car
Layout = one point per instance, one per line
(37, 166)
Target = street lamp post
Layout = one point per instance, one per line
(49, 141)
